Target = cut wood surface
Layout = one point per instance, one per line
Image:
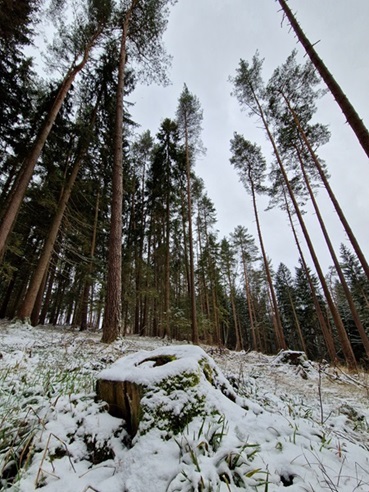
(164, 389)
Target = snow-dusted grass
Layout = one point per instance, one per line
(311, 435)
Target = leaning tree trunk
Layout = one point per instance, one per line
(332, 196)
(355, 314)
(348, 110)
(28, 166)
(296, 320)
(26, 308)
(35, 315)
(329, 342)
(281, 342)
(28, 304)
(345, 342)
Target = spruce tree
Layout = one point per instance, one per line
(189, 119)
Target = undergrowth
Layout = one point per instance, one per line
(48, 417)
(27, 398)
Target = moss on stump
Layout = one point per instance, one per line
(164, 389)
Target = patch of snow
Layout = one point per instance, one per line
(305, 434)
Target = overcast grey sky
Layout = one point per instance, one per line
(207, 38)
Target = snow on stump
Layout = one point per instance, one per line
(165, 389)
(292, 357)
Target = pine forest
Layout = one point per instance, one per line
(107, 226)
(184, 284)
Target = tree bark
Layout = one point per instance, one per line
(167, 330)
(195, 332)
(329, 342)
(25, 310)
(112, 322)
(88, 281)
(332, 196)
(50, 282)
(30, 162)
(355, 314)
(345, 342)
(256, 345)
(281, 342)
(353, 119)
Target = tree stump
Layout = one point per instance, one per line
(292, 357)
(163, 389)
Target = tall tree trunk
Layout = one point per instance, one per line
(28, 166)
(35, 315)
(167, 330)
(195, 332)
(50, 283)
(355, 314)
(8, 294)
(297, 322)
(332, 196)
(26, 308)
(348, 110)
(7, 186)
(249, 303)
(329, 342)
(112, 322)
(234, 311)
(345, 342)
(185, 245)
(295, 318)
(63, 280)
(88, 280)
(281, 342)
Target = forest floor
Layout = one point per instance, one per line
(307, 427)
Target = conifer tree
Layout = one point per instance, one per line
(141, 24)
(28, 304)
(251, 166)
(17, 22)
(307, 313)
(77, 46)
(189, 118)
(295, 85)
(279, 195)
(245, 244)
(228, 264)
(348, 110)
(250, 91)
(287, 304)
(162, 183)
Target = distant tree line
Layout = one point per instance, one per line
(105, 227)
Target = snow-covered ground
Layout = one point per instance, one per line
(306, 426)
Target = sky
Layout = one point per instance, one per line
(207, 38)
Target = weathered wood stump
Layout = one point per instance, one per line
(292, 357)
(124, 399)
(163, 389)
